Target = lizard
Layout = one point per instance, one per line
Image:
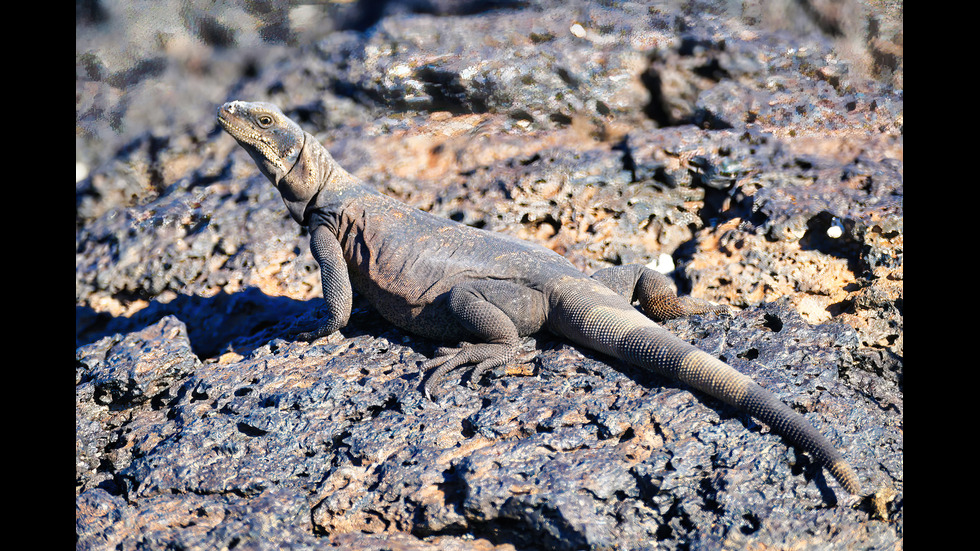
(440, 279)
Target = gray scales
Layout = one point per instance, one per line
(444, 280)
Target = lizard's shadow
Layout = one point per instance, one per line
(240, 321)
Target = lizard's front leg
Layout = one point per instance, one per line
(496, 313)
(336, 283)
(653, 291)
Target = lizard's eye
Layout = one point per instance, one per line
(265, 121)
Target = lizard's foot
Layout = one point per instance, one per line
(322, 331)
(654, 292)
(476, 357)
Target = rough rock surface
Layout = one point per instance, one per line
(758, 151)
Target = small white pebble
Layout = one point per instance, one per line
(836, 229)
(578, 30)
(663, 264)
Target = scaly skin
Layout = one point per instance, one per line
(444, 280)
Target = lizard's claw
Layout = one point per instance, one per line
(321, 331)
(479, 358)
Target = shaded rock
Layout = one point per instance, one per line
(137, 367)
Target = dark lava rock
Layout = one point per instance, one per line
(749, 147)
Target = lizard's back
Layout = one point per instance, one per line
(405, 261)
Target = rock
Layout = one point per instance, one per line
(746, 145)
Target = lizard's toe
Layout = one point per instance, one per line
(476, 357)
(322, 331)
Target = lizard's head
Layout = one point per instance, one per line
(292, 159)
(271, 138)
(280, 149)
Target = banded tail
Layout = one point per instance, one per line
(592, 315)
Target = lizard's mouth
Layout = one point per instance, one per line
(241, 131)
(224, 118)
(228, 120)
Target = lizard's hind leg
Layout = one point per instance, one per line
(653, 291)
(497, 313)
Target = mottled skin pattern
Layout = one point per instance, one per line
(440, 279)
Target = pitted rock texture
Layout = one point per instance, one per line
(757, 150)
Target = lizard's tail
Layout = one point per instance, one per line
(602, 320)
(658, 350)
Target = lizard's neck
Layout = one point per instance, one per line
(317, 182)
